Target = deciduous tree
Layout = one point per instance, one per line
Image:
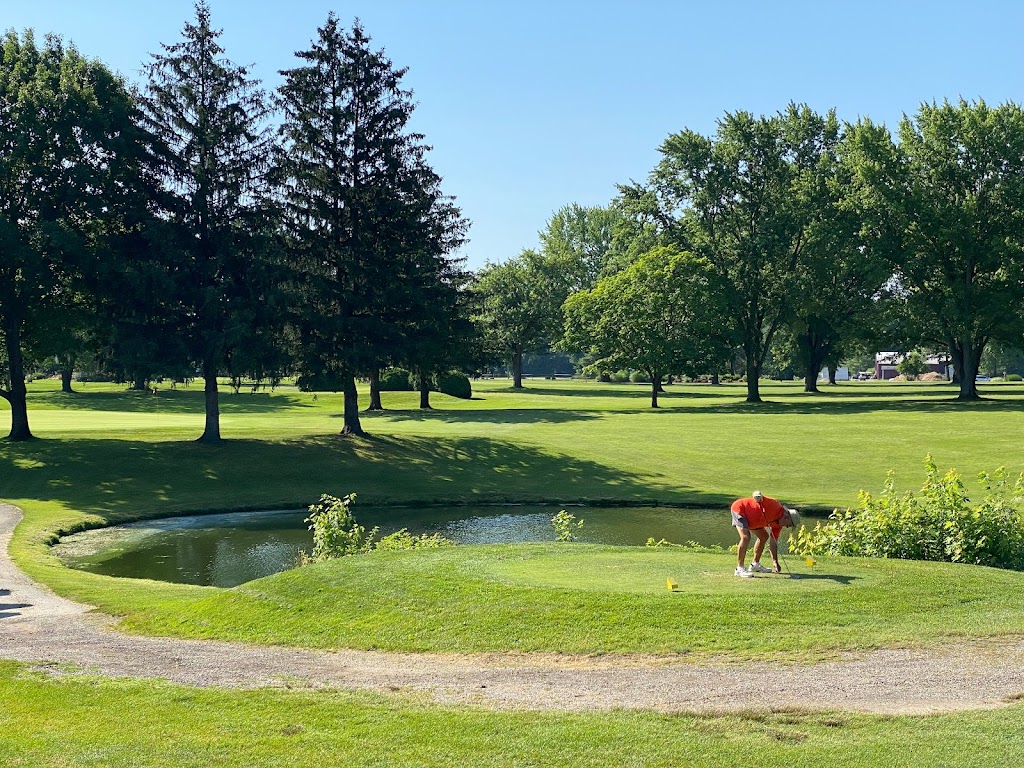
(943, 207)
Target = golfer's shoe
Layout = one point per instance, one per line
(758, 568)
(742, 572)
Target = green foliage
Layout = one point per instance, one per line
(939, 523)
(747, 200)
(320, 382)
(639, 377)
(661, 314)
(619, 377)
(1014, 377)
(403, 540)
(942, 206)
(335, 530)
(455, 384)
(693, 546)
(912, 366)
(566, 526)
(395, 380)
(336, 533)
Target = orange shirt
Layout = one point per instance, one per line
(767, 514)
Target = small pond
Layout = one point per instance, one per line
(225, 550)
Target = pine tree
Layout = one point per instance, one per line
(365, 212)
(212, 116)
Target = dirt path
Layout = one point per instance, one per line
(37, 626)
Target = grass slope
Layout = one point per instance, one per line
(78, 721)
(593, 599)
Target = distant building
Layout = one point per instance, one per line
(886, 362)
(842, 374)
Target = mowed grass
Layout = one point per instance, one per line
(107, 455)
(585, 599)
(80, 721)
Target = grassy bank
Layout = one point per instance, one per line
(80, 722)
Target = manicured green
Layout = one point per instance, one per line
(111, 455)
(578, 598)
(80, 721)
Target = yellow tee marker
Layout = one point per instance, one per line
(672, 586)
(810, 561)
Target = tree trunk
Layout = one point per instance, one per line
(517, 369)
(140, 382)
(423, 382)
(351, 424)
(66, 373)
(714, 379)
(966, 354)
(375, 391)
(832, 374)
(810, 381)
(17, 396)
(753, 377)
(211, 433)
(655, 389)
(657, 384)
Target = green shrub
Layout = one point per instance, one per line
(325, 382)
(455, 384)
(939, 523)
(1013, 377)
(639, 377)
(335, 530)
(604, 376)
(337, 534)
(404, 540)
(395, 380)
(620, 377)
(566, 526)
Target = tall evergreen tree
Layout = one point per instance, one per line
(211, 114)
(69, 151)
(364, 209)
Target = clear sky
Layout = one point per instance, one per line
(534, 105)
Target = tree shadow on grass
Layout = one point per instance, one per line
(498, 415)
(121, 479)
(167, 401)
(629, 391)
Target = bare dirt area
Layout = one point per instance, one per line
(39, 627)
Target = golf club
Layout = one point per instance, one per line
(781, 556)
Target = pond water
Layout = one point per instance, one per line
(225, 550)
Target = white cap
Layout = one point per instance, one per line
(757, 495)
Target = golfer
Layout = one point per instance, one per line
(765, 517)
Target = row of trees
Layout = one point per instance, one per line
(792, 235)
(203, 224)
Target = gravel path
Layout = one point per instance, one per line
(37, 626)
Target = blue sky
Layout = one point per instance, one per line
(534, 105)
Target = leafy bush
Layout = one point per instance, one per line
(639, 377)
(337, 534)
(325, 382)
(404, 540)
(335, 530)
(620, 377)
(395, 380)
(455, 384)
(604, 376)
(1013, 377)
(939, 523)
(566, 526)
